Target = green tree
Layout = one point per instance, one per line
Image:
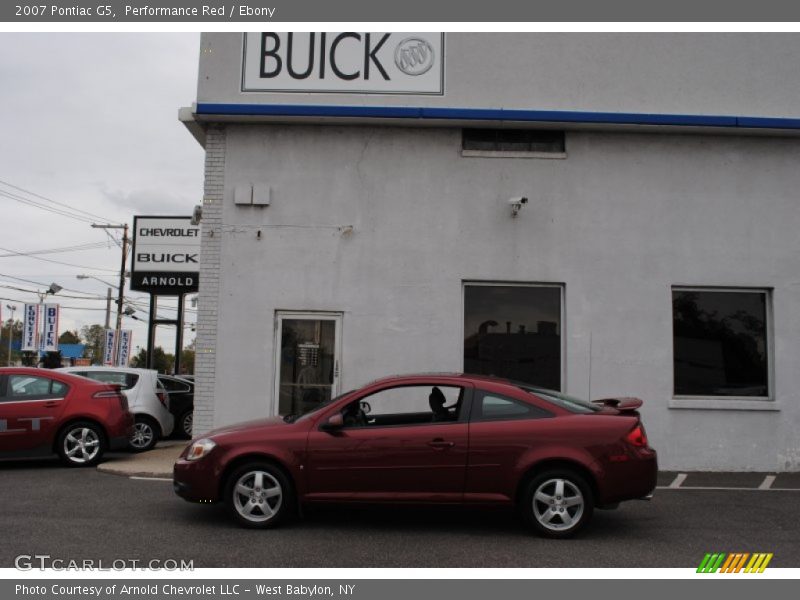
(13, 328)
(94, 336)
(162, 362)
(69, 337)
(187, 359)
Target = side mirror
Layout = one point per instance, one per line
(333, 423)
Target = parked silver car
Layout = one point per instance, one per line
(147, 400)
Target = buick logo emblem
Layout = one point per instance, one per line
(414, 56)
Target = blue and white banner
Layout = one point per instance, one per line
(108, 350)
(124, 350)
(30, 328)
(50, 339)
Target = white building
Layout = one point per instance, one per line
(358, 221)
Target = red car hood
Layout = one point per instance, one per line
(266, 423)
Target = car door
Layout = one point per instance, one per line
(30, 409)
(393, 448)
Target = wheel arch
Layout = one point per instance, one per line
(551, 464)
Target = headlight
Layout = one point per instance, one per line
(199, 449)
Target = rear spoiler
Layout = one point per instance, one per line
(621, 404)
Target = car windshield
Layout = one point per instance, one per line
(570, 403)
(293, 418)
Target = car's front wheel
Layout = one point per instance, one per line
(557, 503)
(81, 444)
(145, 434)
(259, 495)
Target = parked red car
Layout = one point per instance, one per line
(44, 412)
(430, 439)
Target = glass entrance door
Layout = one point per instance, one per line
(307, 360)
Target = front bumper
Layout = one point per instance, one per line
(196, 481)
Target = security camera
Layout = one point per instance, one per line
(517, 203)
(197, 215)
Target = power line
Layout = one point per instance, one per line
(71, 208)
(76, 248)
(50, 209)
(47, 284)
(58, 262)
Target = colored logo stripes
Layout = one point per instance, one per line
(735, 562)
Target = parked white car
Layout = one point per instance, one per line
(147, 400)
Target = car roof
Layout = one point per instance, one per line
(101, 368)
(441, 375)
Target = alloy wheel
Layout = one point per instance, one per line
(143, 435)
(186, 424)
(81, 445)
(558, 504)
(257, 496)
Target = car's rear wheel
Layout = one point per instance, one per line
(185, 423)
(259, 495)
(81, 444)
(557, 503)
(145, 434)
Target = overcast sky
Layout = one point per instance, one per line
(90, 121)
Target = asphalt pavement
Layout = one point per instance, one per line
(88, 514)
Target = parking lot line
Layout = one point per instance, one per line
(139, 478)
(767, 483)
(679, 479)
(730, 489)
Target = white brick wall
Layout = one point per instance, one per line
(205, 361)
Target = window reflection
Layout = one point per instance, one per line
(514, 332)
(720, 343)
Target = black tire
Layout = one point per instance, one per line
(562, 506)
(81, 444)
(146, 433)
(267, 510)
(184, 423)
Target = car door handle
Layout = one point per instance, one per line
(440, 444)
(51, 404)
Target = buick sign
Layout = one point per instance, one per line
(166, 255)
(414, 56)
(347, 62)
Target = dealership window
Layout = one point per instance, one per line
(514, 331)
(513, 143)
(721, 343)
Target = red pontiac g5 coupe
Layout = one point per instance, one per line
(430, 439)
(44, 412)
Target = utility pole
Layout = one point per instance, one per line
(121, 294)
(108, 308)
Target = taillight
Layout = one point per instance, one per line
(107, 394)
(637, 437)
(162, 397)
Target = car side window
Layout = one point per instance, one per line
(126, 380)
(406, 405)
(28, 387)
(173, 386)
(495, 407)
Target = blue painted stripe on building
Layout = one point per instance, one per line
(497, 114)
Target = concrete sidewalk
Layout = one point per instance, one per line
(155, 463)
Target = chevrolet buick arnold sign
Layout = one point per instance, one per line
(343, 62)
(166, 255)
